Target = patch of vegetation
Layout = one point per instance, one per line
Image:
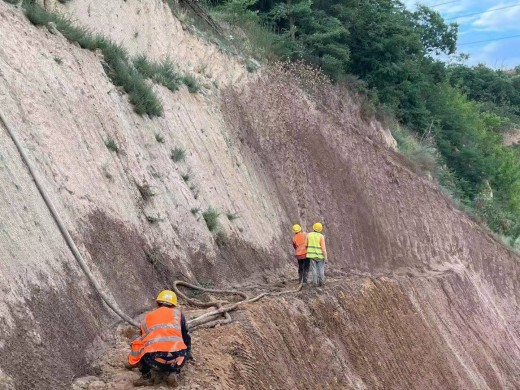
(178, 154)
(146, 191)
(117, 64)
(421, 154)
(195, 210)
(232, 216)
(106, 173)
(153, 219)
(111, 145)
(221, 238)
(251, 66)
(211, 218)
(191, 82)
(58, 60)
(159, 138)
(186, 177)
(161, 73)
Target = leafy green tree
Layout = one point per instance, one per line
(437, 37)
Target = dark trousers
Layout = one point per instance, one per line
(303, 269)
(159, 361)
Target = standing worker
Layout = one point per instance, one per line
(317, 253)
(165, 343)
(300, 251)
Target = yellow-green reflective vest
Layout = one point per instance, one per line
(313, 246)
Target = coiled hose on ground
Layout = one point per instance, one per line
(210, 319)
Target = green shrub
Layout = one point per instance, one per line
(153, 219)
(211, 218)
(186, 177)
(251, 66)
(191, 83)
(232, 216)
(195, 210)
(422, 155)
(159, 138)
(160, 73)
(178, 154)
(111, 145)
(145, 191)
(117, 64)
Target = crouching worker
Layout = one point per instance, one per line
(164, 345)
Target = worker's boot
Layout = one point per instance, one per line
(145, 380)
(172, 380)
(129, 366)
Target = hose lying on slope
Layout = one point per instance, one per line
(70, 242)
(209, 319)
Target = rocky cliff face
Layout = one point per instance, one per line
(435, 300)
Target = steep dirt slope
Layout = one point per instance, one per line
(150, 27)
(63, 107)
(435, 300)
(424, 331)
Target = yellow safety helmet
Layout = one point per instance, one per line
(296, 228)
(167, 296)
(317, 227)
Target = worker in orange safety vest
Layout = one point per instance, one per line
(164, 344)
(300, 252)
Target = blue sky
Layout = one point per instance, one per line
(490, 25)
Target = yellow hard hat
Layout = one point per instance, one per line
(167, 296)
(317, 227)
(296, 228)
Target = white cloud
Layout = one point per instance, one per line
(501, 20)
(496, 54)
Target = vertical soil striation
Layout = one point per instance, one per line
(46, 347)
(329, 165)
(361, 334)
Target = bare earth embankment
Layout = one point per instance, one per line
(420, 296)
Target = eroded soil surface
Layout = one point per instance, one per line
(356, 333)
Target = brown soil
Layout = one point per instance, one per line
(358, 333)
(421, 297)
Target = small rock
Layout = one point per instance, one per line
(84, 382)
(97, 385)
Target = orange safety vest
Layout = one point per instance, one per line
(300, 245)
(160, 332)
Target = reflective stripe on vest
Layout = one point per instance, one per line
(161, 332)
(175, 325)
(155, 341)
(301, 249)
(313, 246)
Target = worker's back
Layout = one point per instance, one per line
(300, 245)
(160, 331)
(315, 244)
